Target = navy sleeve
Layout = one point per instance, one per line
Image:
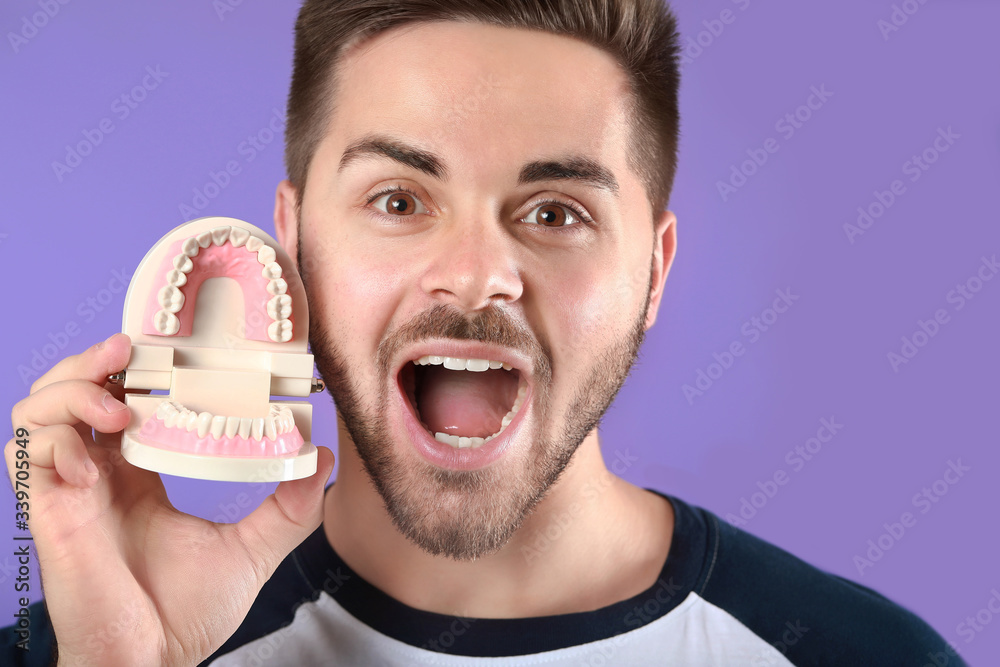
(812, 616)
(35, 650)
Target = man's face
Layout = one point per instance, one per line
(471, 200)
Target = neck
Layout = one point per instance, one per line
(591, 526)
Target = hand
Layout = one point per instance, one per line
(129, 579)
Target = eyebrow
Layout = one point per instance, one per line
(575, 168)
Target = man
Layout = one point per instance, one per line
(477, 200)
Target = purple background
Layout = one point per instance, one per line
(63, 239)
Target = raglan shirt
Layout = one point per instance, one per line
(723, 598)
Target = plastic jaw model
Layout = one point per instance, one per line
(218, 318)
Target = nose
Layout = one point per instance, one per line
(472, 265)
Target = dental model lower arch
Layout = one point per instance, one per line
(174, 427)
(225, 251)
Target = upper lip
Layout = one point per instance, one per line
(467, 350)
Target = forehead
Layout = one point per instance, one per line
(484, 95)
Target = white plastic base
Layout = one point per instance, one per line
(221, 468)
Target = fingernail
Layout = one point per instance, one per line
(90, 467)
(100, 346)
(112, 404)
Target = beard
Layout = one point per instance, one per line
(467, 514)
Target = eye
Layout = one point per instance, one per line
(554, 214)
(397, 202)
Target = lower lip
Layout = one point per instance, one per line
(452, 458)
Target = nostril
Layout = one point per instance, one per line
(473, 283)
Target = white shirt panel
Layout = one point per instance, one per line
(696, 634)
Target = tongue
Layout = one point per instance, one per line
(464, 403)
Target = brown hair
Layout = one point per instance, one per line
(640, 34)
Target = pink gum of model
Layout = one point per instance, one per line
(155, 432)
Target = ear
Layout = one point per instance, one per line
(286, 219)
(664, 249)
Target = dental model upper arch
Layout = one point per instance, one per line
(224, 251)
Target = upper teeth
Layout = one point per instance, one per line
(171, 298)
(460, 364)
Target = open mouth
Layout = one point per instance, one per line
(463, 402)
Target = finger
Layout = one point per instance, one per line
(58, 447)
(94, 364)
(70, 402)
(285, 518)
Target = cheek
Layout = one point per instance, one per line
(356, 287)
(587, 309)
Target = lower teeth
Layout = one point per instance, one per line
(463, 442)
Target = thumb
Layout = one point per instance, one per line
(285, 518)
